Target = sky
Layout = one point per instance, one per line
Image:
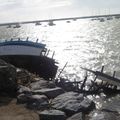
(23, 10)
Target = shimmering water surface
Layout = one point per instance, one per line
(85, 43)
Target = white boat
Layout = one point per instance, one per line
(19, 47)
(29, 55)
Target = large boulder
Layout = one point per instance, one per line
(72, 102)
(52, 115)
(50, 93)
(8, 81)
(37, 102)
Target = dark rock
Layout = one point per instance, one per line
(41, 84)
(37, 102)
(65, 84)
(52, 115)
(23, 98)
(51, 84)
(102, 115)
(78, 116)
(72, 102)
(2, 62)
(8, 82)
(23, 89)
(50, 93)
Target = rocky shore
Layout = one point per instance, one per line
(26, 96)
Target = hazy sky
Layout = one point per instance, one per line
(14, 10)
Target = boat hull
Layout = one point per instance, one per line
(43, 66)
(20, 50)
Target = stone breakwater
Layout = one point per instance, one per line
(47, 101)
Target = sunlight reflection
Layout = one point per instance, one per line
(80, 43)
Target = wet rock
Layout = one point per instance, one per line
(37, 102)
(102, 115)
(52, 115)
(23, 76)
(87, 105)
(50, 93)
(72, 102)
(8, 82)
(23, 89)
(51, 84)
(23, 98)
(65, 84)
(41, 84)
(113, 106)
(78, 116)
(2, 62)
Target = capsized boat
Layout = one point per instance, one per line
(29, 55)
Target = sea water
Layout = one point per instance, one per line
(81, 43)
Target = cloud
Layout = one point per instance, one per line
(96, 3)
(22, 9)
(46, 4)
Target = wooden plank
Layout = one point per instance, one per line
(110, 79)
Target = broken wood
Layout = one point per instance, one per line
(62, 69)
(102, 76)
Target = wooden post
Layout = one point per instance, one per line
(11, 39)
(85, 79)
(102, 69)
(48, 52)
(102, 72)
(114, 73)
(93, 83)
(37, 40)
(27, 38)
(62, 69)
(101, 83)
(53, 54)
(18, 39)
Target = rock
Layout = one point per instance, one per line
(102, 115)
(50, 93)
(87, 105)
(2, 62)
(72, 102)
(23, 76)
(41, 84)
(52, 115)
(22, 98)
(78, 116)
(23, 89)
(113, 106)
(51, 84)
(37, 102)
(8, 82)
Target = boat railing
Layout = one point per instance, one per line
(34, 40)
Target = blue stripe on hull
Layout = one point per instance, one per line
(23, 43)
